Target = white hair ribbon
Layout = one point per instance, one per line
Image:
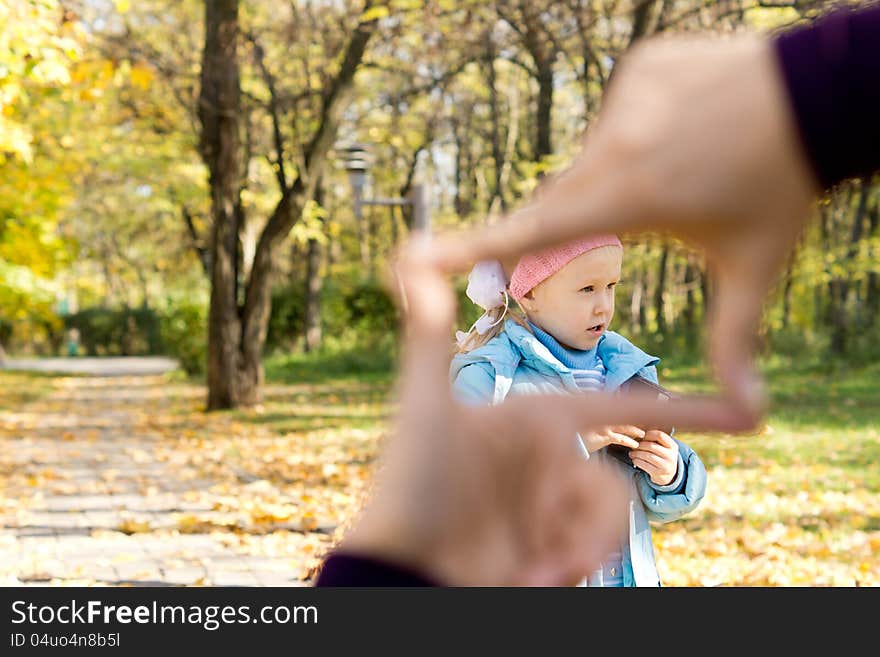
(487, 288)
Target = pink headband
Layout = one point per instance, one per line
(536, 267)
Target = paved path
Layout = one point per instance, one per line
(109, 366)
(93, 496)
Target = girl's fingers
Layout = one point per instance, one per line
(642, 464)
(655, 460)
(662, 451)
(661, 437)
(621, 439)
(629, 430)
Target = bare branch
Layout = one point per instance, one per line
(260, 55)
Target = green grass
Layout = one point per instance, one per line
(365, 365)
(825, 419)
(324, 391)
(825, 416)
(831, 396)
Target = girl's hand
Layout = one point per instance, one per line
(626, 435)
(657, 455)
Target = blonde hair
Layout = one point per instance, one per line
(474, 340)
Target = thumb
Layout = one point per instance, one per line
(428, 311)
(734, 318)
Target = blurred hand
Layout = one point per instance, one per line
(657, 455)
(479, 496)
(496, 495)
(695, 138)
(619, 434)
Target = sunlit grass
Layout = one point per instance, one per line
(795, 503)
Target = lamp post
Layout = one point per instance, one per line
(357, 165)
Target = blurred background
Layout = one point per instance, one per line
(325, 131)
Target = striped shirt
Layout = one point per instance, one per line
(589, 374)
(591, 378)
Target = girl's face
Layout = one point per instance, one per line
(576, 304)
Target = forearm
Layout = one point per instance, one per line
(832, 75)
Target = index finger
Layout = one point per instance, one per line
(658, 436)
(629, 430)
(590, 409)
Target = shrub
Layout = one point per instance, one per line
(184, 329)
(115, 332)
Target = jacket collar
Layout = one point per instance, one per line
(622, 359)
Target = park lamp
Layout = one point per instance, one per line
(356, 163)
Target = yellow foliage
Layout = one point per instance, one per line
(36, 52)
(374, 13)
(141, 76)
(132, 526)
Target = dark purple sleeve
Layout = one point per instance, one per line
(341, 569)
(832, 70)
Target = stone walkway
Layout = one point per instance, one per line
(108, 366)
(93, 501)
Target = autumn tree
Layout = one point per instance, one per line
(39, 47)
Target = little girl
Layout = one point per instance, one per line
(559, 341)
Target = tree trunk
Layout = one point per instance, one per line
(408, 211)
(872, 291)
(689, 316)
(837, 316)
(258, 301)
(394, 226)
(543, 53)
(203, 254)
(220, 146)
(544, 115)
(314, 283)
(236, 333)
(821, 306)
(462, 205)
(660, 289)
(635, 304)
(364, 238)
(495, 120)
(840, 318)
(786, 294)
(646, 15)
